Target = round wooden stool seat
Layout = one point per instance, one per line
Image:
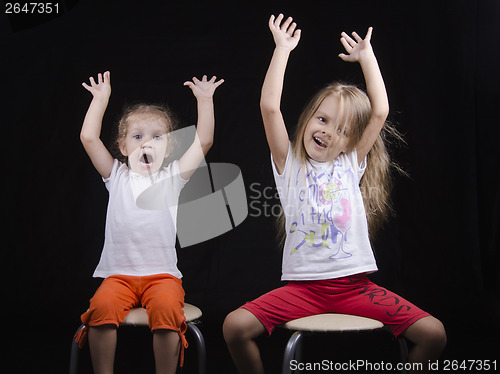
(330, 322)
(139, 316)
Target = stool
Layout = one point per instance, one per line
(326, 323)
(139, 317)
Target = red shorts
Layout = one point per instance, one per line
(355, 295)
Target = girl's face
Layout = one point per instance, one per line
(324, 138)
(145, 144)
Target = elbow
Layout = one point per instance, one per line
(380, 114)
(86, 139)
(268, 109)
(206, 145)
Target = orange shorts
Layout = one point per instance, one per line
(161, 294)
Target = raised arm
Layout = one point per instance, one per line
(91, 129)
(286, 38)
(360, 50)
(203, 91)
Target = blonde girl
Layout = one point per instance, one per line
(138, 261)
(333, 185)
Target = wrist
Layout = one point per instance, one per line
(205, 100)
(101, 100)
(282, 49)
(367, 57)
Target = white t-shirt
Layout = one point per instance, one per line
(140, 222)
(327, 231)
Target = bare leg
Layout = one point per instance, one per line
(166, 347)
(429, 337)
(102, 344)
(240, 329)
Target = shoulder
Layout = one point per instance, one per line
(118, 170)
(350, 160)
(172, 171)
(289, 162)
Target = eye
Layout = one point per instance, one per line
(137, 137)
(342, 132)
(322, 119)
(157, 137)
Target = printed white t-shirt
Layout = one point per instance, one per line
(140, 228)
(326, 226)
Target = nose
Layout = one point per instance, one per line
(326, 133)
(146, 143)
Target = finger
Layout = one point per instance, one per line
(344, 57)
(291, 29)
(368, 36)
(357, 37)
(218, 83)
(297, 34)
(196, 80)
(204, 78)
(92, 81)
(86, 86)
(348, 39)
(284, 26)
(212, 80)
(107, 77)
(99, 78)
(271, 21)
(346, 45)
(277, 22)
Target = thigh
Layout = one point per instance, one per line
(111, 302)
(295, 300)
(163, 298)
(367, 299)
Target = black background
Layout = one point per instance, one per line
(440, 62)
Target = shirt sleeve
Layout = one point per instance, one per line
(282, 180)
(358, 169)
(108, 182)
(287, 162)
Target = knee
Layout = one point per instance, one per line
(436, 335)
(100, 306)
(237, 327)
(429, 332)
(165, 315)
(232, 328)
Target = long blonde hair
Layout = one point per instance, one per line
(354, 115)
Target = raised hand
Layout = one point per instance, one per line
(285, 34)
(356, 48)
(204, 88)
(101, 89)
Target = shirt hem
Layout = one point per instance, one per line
(135, 274)
(331, 275)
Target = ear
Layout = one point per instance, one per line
(123, 149)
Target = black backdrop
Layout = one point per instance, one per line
(440, 62)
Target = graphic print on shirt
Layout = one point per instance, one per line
(325, 204)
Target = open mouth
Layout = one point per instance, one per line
(146, 159)
(319, 142)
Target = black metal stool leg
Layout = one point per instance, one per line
(294, 344)
(75, 353)
(200, 344)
